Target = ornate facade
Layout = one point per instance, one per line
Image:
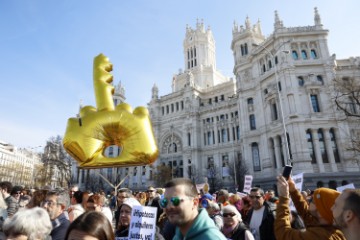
(279, 109)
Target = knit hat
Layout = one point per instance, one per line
(324, 199)
(131, 202)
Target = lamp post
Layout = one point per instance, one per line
(289, 160)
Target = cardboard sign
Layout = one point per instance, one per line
(248, 183)
(143, 223)
(298, 180)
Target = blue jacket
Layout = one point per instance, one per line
(202, 228)
(60, 226)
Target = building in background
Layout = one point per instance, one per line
(19, 166)
(279, 109)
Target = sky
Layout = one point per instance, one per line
(48, 48)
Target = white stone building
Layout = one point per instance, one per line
(283, 81)
(19, 166)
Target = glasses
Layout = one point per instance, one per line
(49, 203)
(175, 201)
(257, 197)
(229, 214)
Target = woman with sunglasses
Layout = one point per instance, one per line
(233, 227)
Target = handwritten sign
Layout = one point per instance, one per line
(143, 223)
(248, 183)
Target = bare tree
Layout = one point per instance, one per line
(238, 171)
(194, 174)
(347, 100)
(162, 174)
(214, 179)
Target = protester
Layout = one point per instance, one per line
(223, 198)
(261, 217)
(125, 217)
(76, 208)
(90, 225)
(346, 212)
(233, 227)
(236, 201)
(246, 206)
(3, 211)
(213, 210)
(56, 203)
(153, 201)
(96, 202)
(181, 204)
(317, 216)
(37, 198)
(31, 224)
(122, 195)
(11, 202)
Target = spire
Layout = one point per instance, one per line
(278, 23)
(258, 27)
(247, 23)
(317, 18)
(155, 92)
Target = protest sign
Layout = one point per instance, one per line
(142, 223)
(347, 186)
(248, 183)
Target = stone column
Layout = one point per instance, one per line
(319, 159)
(329, 150)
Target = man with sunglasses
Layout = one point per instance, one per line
(260, 219)
(181, 205)
(153, 201)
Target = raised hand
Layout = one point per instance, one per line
(87, 137)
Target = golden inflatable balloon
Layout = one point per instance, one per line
(87, 137)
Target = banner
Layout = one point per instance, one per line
(248, 183)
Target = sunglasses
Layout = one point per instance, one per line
(257, 197)
(229, 214)
(175, 201)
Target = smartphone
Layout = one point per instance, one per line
(287, 171)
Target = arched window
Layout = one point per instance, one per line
(311, 146)
(322, 146)
(242, 50)
(276, 60)
(303, 54)
(264, 68)
(334, 145)
(255, 156)
(295, 55)
(172, 148)
(269, 64)
(313, 54)
(301, 81)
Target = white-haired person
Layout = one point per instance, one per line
(28, 224)
(234, 228)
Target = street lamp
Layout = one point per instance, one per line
(289, 160)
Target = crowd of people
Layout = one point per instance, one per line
(183, 212)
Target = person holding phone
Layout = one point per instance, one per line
(317, 214)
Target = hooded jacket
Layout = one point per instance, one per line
(203, 227)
